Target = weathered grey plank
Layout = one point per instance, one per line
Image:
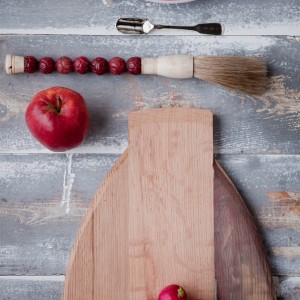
(44, 198)
(42, 202)
(40, 288)
(240, 17)
(259, 177)
(288, 288)
(243, 124)
(31, 288)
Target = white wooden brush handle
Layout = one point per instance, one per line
(175, 66)
(14, 64)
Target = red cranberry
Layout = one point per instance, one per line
(30, 64)
(46, 65)
(134, 65)
(64, 65)
(81, 65)
(99, 65)
(117, 65)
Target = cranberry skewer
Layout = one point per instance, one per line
(29, 64)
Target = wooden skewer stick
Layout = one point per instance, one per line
(14, 64)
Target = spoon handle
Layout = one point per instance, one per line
(209, 28)
(143, 26)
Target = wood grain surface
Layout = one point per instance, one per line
(29, 226)
(44, 196)
(171, 212)
(140, 246)
(98, 266)
(241, 264)
(246, 274)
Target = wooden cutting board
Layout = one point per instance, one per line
(146, 229)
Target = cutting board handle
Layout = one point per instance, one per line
(171, 223)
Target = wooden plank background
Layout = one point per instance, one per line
(99, 17)
(256, 139)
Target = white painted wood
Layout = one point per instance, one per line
(37, 229)
(38, 234)
(240, 17)
(31, 287)
(36, 186)
(243, 124)
(288, 288)
(175, 66)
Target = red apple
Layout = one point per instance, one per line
(58, 118)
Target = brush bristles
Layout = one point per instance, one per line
(243, 74)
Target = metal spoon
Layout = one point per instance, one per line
(143, 26)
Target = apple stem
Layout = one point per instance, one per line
(58, 104)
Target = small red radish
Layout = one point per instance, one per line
(172, 292)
